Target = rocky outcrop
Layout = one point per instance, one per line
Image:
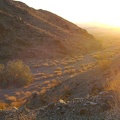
(78, 108)
(90, 107)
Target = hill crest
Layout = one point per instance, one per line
(32, 33)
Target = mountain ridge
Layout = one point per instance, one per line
(40, 33)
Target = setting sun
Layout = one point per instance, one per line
(77, 11)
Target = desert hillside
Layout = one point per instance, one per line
(51, 69)
(26, 32)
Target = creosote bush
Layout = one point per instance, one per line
(15, 73)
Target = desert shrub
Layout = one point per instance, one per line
(10, 99)
(54, 83)
(3, 105)
(104, 64)
(15, 73)
(58, 69)
(17, 103)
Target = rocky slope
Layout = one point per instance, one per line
(87, 108)
(26, 32)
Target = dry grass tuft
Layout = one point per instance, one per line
(17, 104)
(49, 85)
(104, 64)
(58, 71)
(54, 83)
(44, 90)
(11, 98)
(2, 105)
(45, 64)
(46, 82)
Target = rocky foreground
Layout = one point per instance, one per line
(89, 108)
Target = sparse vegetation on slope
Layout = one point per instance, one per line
(53, 96)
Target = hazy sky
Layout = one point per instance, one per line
(77, 11)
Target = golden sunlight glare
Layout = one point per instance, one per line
(77, 11)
